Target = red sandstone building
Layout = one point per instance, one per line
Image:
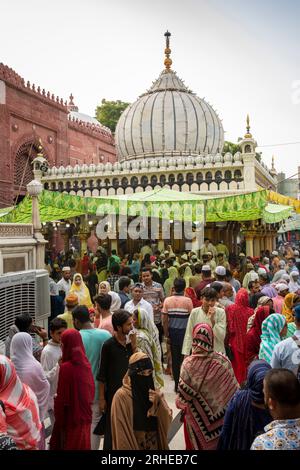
(28, 114)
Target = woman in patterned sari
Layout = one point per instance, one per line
(207, 383)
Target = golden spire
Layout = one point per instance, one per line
(168, 60)
(248, 135)
(40, 148)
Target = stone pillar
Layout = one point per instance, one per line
(249, 244)
(256, 246)
(249, 172)
(35, 188)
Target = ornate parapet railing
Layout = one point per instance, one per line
(16, 230)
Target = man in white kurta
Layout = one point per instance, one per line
(65, 283)
(210, 314)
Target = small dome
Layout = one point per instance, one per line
(69, 169)
(190, 160)
(171, 162)
(117, 166)
(54, 170)
(108, 166)
(61, 170)
(199, 160)
(218, 158)
(135, 165)
(228, 157)
(237, 157)
(153, 163)
(208, 159)
(144, 164)
(100, 167)
(162, 163)
(92, 168)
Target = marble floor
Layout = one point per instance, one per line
(176, 436)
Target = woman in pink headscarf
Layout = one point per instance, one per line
(22, 422)
(237, 319)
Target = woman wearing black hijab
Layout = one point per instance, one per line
(140, 416)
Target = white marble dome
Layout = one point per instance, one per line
(168, 118)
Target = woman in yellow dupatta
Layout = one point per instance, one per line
(80, 289)
(169, 283)
(290, 301)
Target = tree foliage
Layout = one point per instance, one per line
(108, 113)
(231, 147)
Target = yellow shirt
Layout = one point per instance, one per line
(199, 316)
(68, 317)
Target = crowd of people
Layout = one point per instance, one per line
(224, 327)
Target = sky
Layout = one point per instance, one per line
(243, 57)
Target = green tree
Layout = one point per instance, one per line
(108, 113)
(231, 147)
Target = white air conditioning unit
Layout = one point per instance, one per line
(24, 292)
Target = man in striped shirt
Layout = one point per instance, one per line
(176, 312)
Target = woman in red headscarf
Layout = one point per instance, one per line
(75, 394)
(252, 342)
(237, 319)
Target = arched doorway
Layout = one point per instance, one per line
(23, 171)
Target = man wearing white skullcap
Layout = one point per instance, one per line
(65, 283)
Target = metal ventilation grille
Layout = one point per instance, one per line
(17, 295)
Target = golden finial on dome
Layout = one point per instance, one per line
(168, 60)
(40, 147)
(248, 135)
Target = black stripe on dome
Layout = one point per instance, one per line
(151, 120)
(174, 114)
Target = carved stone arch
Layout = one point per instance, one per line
(60, 186)
(180, 178)
(208, 176)
(124, 182)
(228, 176)
(190, 178)
(24, 151)
(134, 181)
(115, 183)
(218, 176)
(153, 180)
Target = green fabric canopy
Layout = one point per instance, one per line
(162, 203)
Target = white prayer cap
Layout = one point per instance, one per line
(206, 268)
(275, 253)
(66, 268)
(220, 270)
(281, 287)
